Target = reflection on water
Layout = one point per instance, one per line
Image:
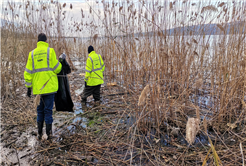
(82, 120)
(69, 120)
(78, 65)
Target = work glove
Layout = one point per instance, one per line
(29, 91)
(62, 56)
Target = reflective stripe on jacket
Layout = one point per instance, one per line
(41, 70)
(94, 69)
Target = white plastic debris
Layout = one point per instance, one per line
(80, 90)
(32, 142)
(44, 137)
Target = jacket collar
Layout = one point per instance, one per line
(41, 43)
(92, 52)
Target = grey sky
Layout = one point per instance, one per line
(74, 24)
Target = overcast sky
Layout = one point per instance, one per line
(74, 23)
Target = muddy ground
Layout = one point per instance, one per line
(19, 144)
(107, 134)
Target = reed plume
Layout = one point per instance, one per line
(95, 37)
(143, 95)
(209, 7)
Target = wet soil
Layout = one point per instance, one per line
(108, 134)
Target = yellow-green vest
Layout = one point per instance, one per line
(41, 70)
(94, 69)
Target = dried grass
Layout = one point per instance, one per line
(112, 84)
(82, 74)
(205, 125)
(232, 125)
(198, 83)
(198, 113)
(170, 5)
(221, 4)
(174, 66)
(36, 101)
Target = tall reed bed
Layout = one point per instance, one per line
(184, 69)
(202, 66)
(22, 22)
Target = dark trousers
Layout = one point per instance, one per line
(44, 108)
(91, 90)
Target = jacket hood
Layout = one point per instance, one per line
(41, 43)
(92, 52)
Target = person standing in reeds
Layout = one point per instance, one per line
(41, 75)
(93, 76)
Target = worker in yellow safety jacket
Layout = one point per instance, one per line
(41, 75)
(93, 76)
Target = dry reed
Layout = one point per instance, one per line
(205, 125)
(144, 95)
(36, 101)
(134, 38)
(112, 84)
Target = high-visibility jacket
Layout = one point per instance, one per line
(94, 69)
(41, 70)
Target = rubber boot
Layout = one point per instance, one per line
(40, 130)
(83, 104)
(49, 131)
(97, 103)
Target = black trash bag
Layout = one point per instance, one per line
(63, 100)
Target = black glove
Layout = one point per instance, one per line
(29, 91)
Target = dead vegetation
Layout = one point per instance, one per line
(161, 83)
